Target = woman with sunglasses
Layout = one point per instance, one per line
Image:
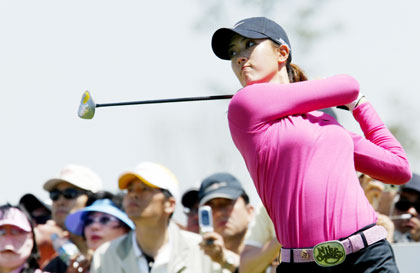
(98, 223)
(303, 162)
(18, 249)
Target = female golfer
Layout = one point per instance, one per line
(302, 161)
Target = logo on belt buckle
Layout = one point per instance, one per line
(329, 253)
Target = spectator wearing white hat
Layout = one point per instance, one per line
(157, 244)
(69, 192)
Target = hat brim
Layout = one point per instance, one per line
(75, 221)
(228, 193)
(221, 40)
(52, 183)
(11, 222)
(31, 202)
(128, 177)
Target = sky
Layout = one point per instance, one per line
(52, 51)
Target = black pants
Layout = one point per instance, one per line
(378, 257)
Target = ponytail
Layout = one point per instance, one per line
(295, 73)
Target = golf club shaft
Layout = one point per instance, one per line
(218, 97)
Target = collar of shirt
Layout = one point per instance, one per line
(161, 261)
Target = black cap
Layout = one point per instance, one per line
(254, 28)
(30, 202)
(190, 197)
(219, 185)
(413, 184)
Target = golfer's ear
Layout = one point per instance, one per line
(282, 53)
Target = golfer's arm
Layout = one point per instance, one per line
(255, 259)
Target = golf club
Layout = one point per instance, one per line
(87, 104)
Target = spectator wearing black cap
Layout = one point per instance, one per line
(407, 209)
(190, 203)
(232, 213)
(40, 216)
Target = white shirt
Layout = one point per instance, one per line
(161, 260)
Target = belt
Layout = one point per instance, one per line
(326, 250)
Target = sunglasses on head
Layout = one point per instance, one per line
(67, 193)
(404, 205)
(103, 220)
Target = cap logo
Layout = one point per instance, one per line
(216, 186)
(238, 24)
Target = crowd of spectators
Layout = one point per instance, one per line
(133, 230)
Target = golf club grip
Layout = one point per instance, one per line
(218, 97)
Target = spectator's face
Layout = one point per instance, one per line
(192, 219)
(100, 228)
(143, 202)
(64, 205)
(15, 247)
(407, 203)
(230, 217)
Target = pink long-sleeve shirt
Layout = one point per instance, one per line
(303, 162)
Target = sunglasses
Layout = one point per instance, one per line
(42, 219)
(103, 220)
(67, 193)
(404, 205)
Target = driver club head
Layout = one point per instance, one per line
(87, 106)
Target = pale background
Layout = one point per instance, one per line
(51, 51)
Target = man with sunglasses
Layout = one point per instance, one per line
(406, 212)
(69, 191)
(157, 244)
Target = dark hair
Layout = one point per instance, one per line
(245, 197)
(31, 264)
(115, 198)
(295, 73)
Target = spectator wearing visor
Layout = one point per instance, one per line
(157, 244)
(69, 192)
(406, 213)
(98, 223)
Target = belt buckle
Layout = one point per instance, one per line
(330, 253)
